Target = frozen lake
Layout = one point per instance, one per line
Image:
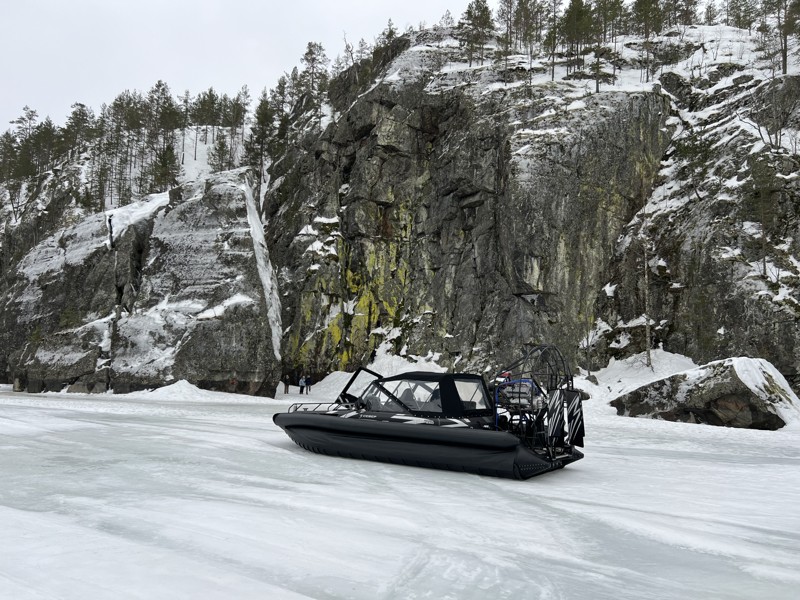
(182, 493)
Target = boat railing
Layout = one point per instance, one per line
(320, 407)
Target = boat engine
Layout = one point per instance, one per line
(535, 400)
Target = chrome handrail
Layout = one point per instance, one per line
(319, 407)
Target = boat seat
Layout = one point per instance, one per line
(408, 399)
(372, 402)
(434, 404)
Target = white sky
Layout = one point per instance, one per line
(56, 52)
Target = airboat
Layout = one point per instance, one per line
(529, 420)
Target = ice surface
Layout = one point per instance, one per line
(184, 493)
(266, 272)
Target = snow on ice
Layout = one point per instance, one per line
(181, 492)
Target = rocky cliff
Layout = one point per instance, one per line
(718, 236)
(462, 216)
(446, 210)
(446, 223)
(461, 211)
(175, 286)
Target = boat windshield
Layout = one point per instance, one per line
(416, 395)
(404, 395)
(472, 394)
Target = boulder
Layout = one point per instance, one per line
(736, 392)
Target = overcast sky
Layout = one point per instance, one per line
(57, 52)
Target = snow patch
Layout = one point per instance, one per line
(219, 310)
(266, 272)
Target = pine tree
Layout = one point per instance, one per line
(313, 81)
(447, 20)
(552, 35)
(8, 156)
(25, 162)
(608, 13)
(219, 157)
(687, 12)
(205, 111)
(44, 142)
(338, 66)
(786, 14)
(294, 88)
(132, 109)
(742, 13)
(225, 110)
(165, 113)
(669, 12)
(78, 127)
(241, 109)
(711, 13)
(576, 28)
(364, 50)
(278, 96)
(476, 25)
(165, 169)
(388, 35)
(314, 78)
(524, 24)
(9, 153)
(185, 107)
(505, 16)
(163, 119)
(648, 16)
(26, 123)
(257, 145)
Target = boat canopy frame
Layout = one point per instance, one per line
(539, 401)
(451, 404)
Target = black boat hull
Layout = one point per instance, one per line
(479, 451)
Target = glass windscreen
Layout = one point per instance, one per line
(404, 395)
(472, 394)
(359, 382)
(377, 398)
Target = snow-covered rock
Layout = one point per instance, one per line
(176, 286)
(736, 392)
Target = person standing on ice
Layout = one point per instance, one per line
(308, 384)
(286, 384)
(302, 383)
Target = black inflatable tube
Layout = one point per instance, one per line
(480, 451)
(385, 430)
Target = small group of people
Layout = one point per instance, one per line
(304, 383)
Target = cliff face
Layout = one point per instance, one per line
(460, 213)
(464, 221)
(448, 211)
(719, 235)
(165, 289)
